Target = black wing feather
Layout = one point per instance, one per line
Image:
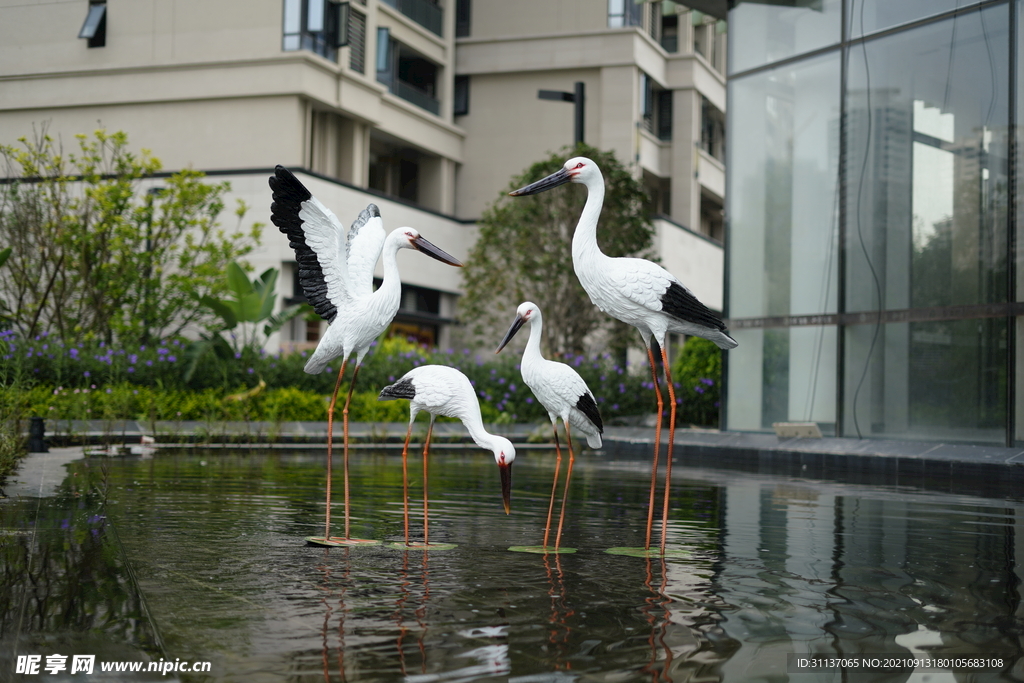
(678, 302)
(403, 388)
(288, 195)
(586, 405)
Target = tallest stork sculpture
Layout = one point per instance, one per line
(639, 293)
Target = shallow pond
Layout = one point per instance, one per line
(773, 566)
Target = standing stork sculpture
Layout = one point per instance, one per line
(336, 276)
(565, 395)
(639, 293)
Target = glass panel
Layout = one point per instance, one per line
(868, 16)
(764, 33)
(92, 21)
(927, 166)
(782, 374)
(292, 17)
(315, 16)
(783, 155)
(930, 381)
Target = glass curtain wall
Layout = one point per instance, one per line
(872, 296)
(783, 209)
(926, 181)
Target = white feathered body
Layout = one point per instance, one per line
(557, 386)
(442, 390)
(635, 290)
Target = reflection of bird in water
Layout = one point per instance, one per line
(325, 568)
(441, 390)
(558, 635)
(336, 275)
(420, 613)
(639, 293)
(658, 598)
(565, 396)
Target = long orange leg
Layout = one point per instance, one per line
(426, 451)
(565, 495)
(657, 449)
(330, 447)
(405, 481)
(554, 483)
(344, 422)
(671, 442)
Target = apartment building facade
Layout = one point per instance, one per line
(425, 108)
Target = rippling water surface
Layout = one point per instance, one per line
(773, 566)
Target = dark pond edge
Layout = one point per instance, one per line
(937, 466)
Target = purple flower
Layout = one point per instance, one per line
(709, 382)
(699, 390)
(171, 359)
(86, 374)
(529, 399)
(615, 406)
(133, 359)
(149, 363)
(131, 368)
(73, 353)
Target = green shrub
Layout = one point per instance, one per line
(697, 374)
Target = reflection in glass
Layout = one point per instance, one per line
(928, 380)
(926, 227)
(868, 16)
(927, 155)
(782, 374)
(761, 33)
(783, 197)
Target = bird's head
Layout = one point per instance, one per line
(410, 238)
(527, 312)
(504, 456)
(575, 170)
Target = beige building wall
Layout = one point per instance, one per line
(207, 84)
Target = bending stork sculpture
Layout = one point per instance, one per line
(639, 293)
(565, 396)
(441, 390)
(336, 275)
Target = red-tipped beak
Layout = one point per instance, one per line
(506, 486)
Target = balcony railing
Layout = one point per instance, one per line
(413, 94)
(423, 12)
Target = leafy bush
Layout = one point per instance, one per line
(93, 380)
(697, 374)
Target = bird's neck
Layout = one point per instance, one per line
(475, 425)
(532, 351)
(584, 240)
(390, 290)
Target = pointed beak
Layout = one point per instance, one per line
(506, 486)
(516, 324)
(433, 252)
(559, 177)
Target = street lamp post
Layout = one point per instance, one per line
(577, 97)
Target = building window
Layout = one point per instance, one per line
(319, 26)
(655, 108)
(357, 42)
(406, 73)
(623, 13)
(670, 32)
(94, 29)
(426, 13)
(461, 105)
(394, 170)
(463, 10)
(712, 130)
